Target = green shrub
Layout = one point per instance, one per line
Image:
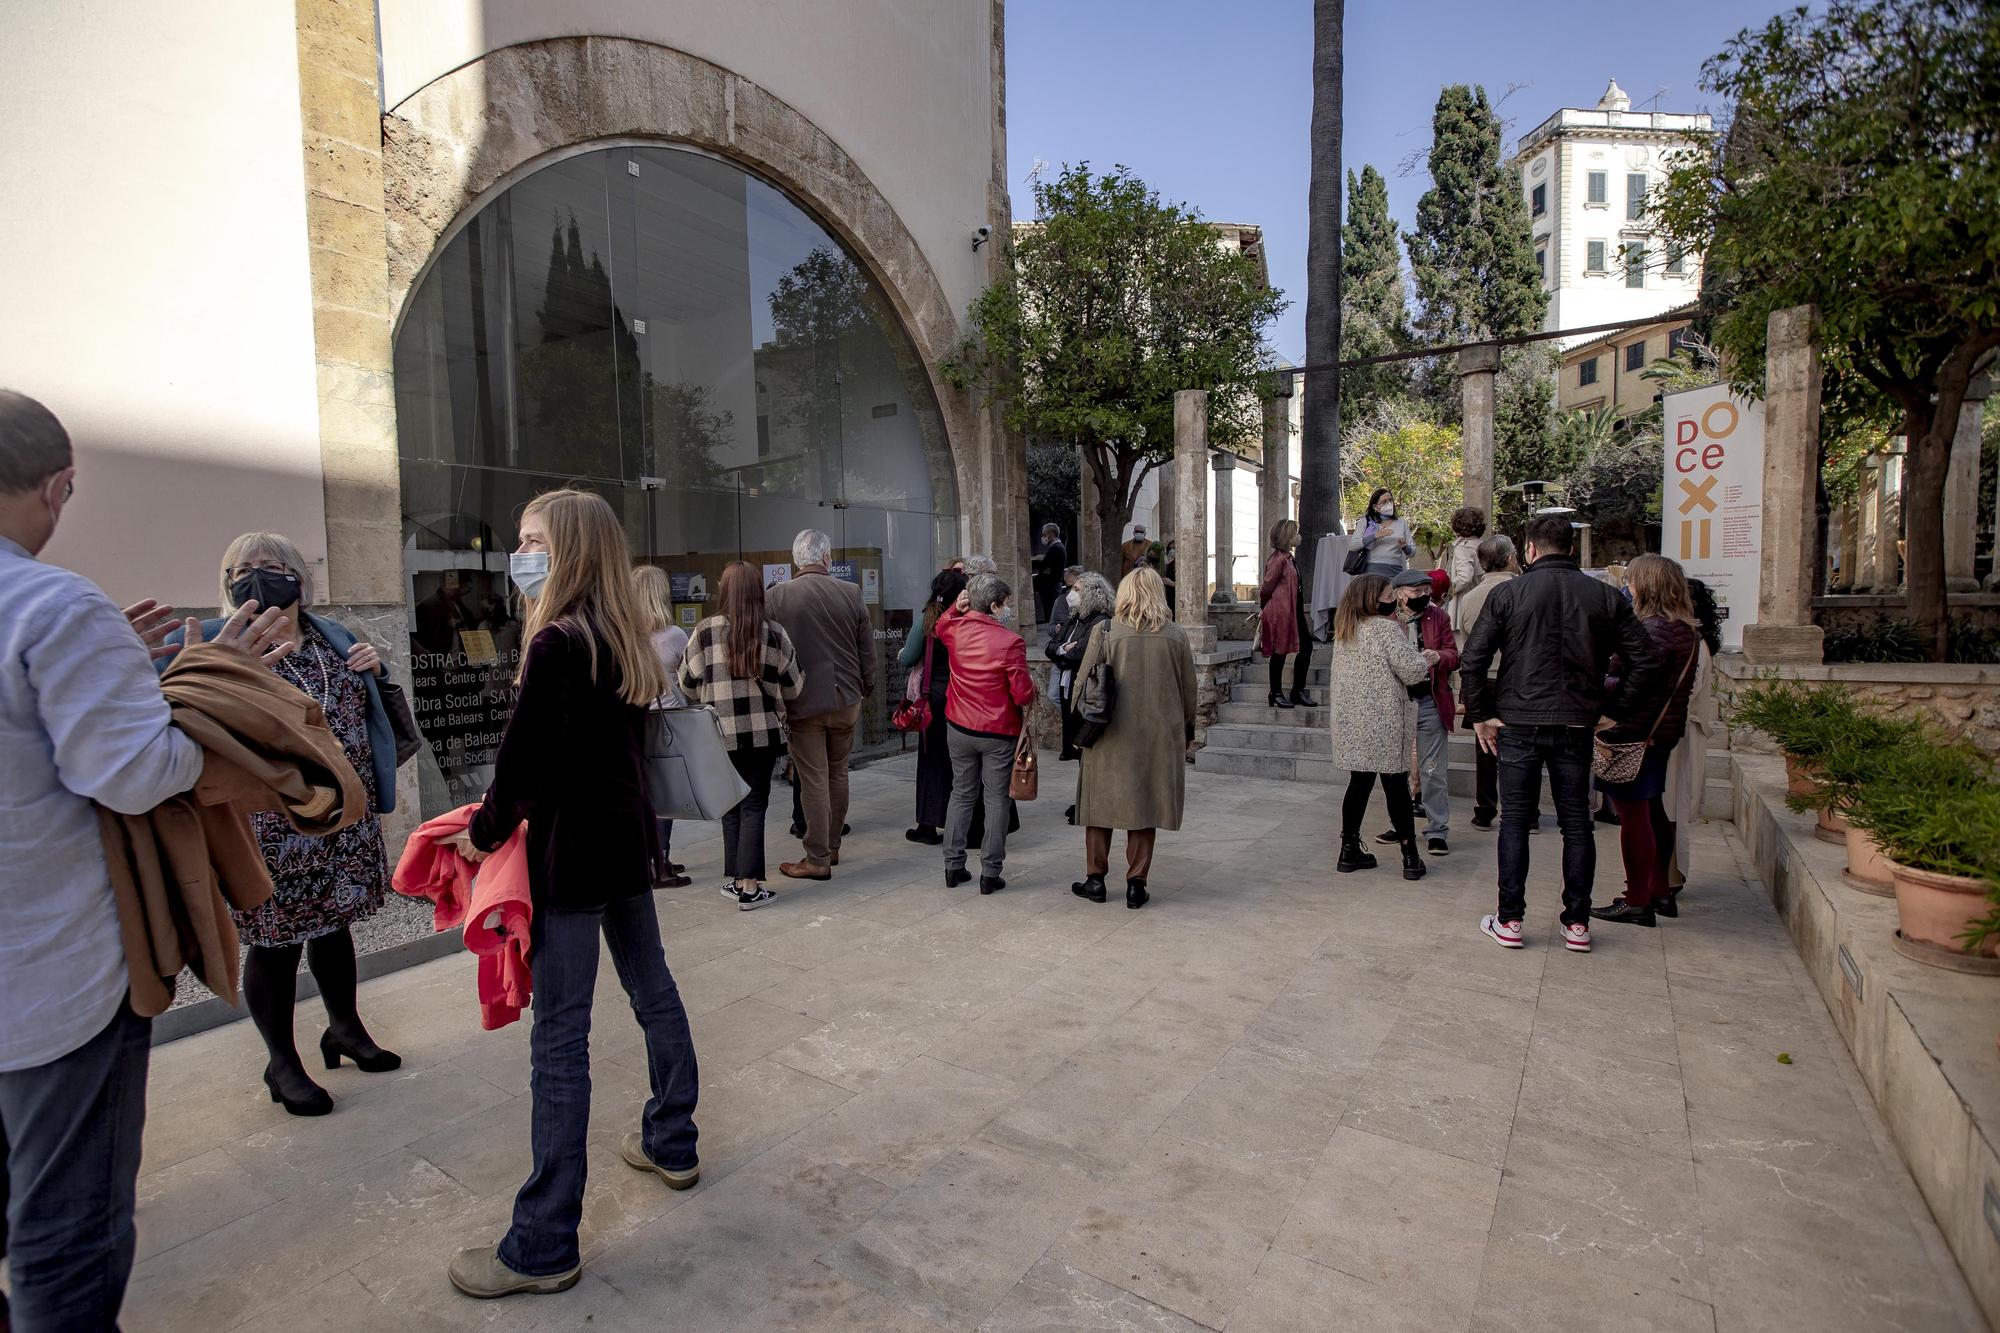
(1851, 753)
(1935, 806)
(1802, 720)
(1890, 641)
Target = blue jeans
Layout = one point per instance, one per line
(69, 1135)
(542, 1240)
(1565, 752)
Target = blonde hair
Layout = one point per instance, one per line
(1142, 601)
(589, 590)
(1283, 534)
(253, 546)
(1660, 588)
(655, 599)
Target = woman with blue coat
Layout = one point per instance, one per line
(322, 885)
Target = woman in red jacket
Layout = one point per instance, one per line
(1282, 629)
(571, 766)
(983, 706)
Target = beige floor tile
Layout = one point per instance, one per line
(1294, 1295)
(1409, 1222)
(1435, 1101)
(193, 1198)
(1056, 1298)
(896, 1128)
(1523, 1290)
(1182, 1226)
(1625, 1099)
(1263, 1109)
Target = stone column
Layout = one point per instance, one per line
(1961, 491)
(1478, 369)
(1848, 530)
(1274, 483)
(1889, 524)
(1868, 526)
(1225, 529)
(1087, 523)
(1190, 514)
(1784, 631)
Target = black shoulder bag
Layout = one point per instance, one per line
(1096, 698)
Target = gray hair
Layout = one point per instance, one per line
(979, 564)
(1047, 528)
(1093, 595)
(1496, 552)
(987, 591)
(33, 444)
(266, 546)
(812, 547)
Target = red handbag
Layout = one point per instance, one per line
(914, 712)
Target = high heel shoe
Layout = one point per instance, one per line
(372, 1060)
(1280, 700)
(1304, 699)
(310, 1100)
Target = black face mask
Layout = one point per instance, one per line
(1418, 605)
(266, 587)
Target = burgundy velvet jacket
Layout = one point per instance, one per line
(571, 765)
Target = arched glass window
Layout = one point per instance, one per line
(658, 325)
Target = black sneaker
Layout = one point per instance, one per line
(1484, 823)
(750, 902)
(1437, 847)
(1388, 835)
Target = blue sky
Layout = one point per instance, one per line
(1211, 103)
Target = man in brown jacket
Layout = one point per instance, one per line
(828, 624)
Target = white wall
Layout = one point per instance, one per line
(157, 293)
(904, 86)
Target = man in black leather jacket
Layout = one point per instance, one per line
(1555, 629)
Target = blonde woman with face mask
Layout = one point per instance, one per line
(570, 767)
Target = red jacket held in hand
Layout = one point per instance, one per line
(989, 674)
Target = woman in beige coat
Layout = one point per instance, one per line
(1135, 775)
(1374, 718)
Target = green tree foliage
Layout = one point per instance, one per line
(1055, 489)
(1375, 316)
(1113, 302)
(1397, 445)
(1858, 174)
(1471, 255)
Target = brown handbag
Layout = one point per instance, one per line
(1026, 778)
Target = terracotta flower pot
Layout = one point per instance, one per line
(1867, 869)
(1830, 827)
(1935, 909)
(1799, 779)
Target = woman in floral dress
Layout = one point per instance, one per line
(323, 885)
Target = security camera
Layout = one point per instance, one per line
(981, 235)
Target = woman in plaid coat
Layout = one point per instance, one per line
(743, 666)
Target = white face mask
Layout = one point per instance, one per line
(1075, 600)
(529, 570)
(1387, 510)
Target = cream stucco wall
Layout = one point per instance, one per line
(904, 86)
(154, 270)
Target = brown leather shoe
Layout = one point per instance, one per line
(805, 870)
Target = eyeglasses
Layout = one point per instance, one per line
(270, 566)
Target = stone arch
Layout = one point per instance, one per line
(467, 134)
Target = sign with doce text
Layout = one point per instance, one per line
(1712, 498)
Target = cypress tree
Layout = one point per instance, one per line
(1471, 255)
(1374, 318)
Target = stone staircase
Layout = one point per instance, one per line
(1253, 740)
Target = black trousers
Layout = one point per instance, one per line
(1301, 660)
(743, 827)
(1395, 790)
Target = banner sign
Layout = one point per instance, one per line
(1712, 498)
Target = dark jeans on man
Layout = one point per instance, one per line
(542, 1240)
(1565, 752)
(69, 1137)
(743, 826)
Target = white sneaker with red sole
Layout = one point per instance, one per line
(1576, 938)
(1507, 934)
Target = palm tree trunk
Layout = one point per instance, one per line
(1319, 467)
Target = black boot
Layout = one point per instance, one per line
(1090, 887)
(1302, 699)
(1135, 894)
(1352, 858)
(1278, 700)
(1667, 906)
(991, 884)
(1413, 860)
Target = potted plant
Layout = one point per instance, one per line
(1804, 722)
(1842, 766)
(1935, 811)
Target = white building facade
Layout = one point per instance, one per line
(1587, 176)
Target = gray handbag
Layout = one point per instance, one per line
(688, 773)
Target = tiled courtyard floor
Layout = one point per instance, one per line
(1277, 1099)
